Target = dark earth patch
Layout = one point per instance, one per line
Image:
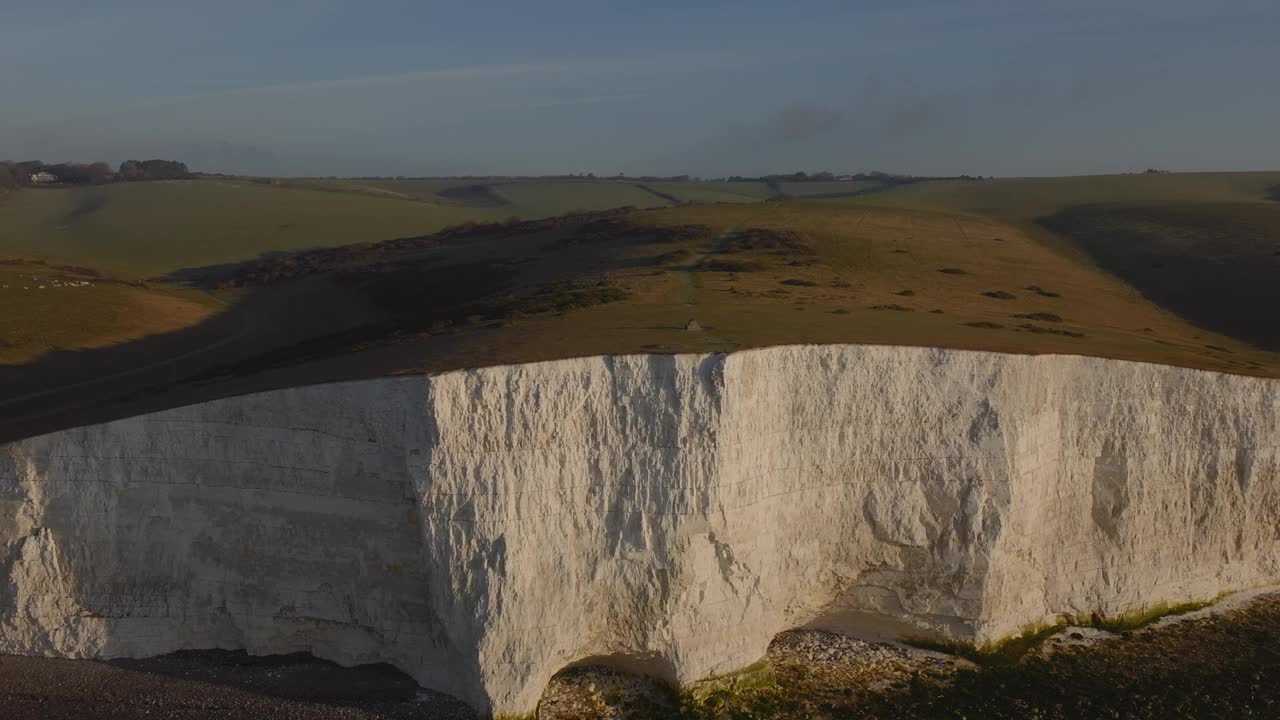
(777, 242)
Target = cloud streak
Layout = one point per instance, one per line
(804, 121)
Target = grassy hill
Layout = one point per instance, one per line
(1204, 245)
(865, 275)
(1177, 270)
(1031, 198)
(138, 230)
(48, 308)
(541, 199)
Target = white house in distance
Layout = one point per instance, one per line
(42, 178)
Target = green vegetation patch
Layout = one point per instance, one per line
(1015, 647)
(139, 230)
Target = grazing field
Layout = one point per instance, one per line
(541, 199)
(750, 275)
(533, 197)
(138, 230)
(48, 309)
(714, 192)
(1031, 198)
(863, 275)
(828, 189)
(1205, 246)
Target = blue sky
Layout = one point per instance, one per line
(709, 88)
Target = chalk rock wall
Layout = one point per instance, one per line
(483, 529)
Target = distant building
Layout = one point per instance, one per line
(42, 178)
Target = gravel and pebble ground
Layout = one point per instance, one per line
(210, 685)
(1222, 662)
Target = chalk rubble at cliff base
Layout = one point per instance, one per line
(483, 529)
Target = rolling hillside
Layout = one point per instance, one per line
(1205, 246)
(139, 230)
(933, 264)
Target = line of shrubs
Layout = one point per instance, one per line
(35, 172)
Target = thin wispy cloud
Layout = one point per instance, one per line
(974, 86)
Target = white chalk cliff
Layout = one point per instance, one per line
(483, 529)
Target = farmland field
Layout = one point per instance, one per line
(714, 192)
(138, 230)
(1030, 198)
(539, 199)
(48, 309)
(828, 189)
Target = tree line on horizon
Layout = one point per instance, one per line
(27, 172)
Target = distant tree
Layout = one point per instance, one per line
(27, 168)
(8, 176)
(99, 173)
(82, 173)
(131, 170)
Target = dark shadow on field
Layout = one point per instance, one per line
(88, 201)
(473, 196)
(300, 317)
(270, 329)
(74, 387)
(209, 277)
(1215, 265)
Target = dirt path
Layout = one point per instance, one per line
(689, 275)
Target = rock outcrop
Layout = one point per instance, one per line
(483, 529)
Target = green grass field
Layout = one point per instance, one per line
(541, 199)
(714, 192)
(1030, 198)
(139, 230)
(828, 189)
(875, 277)
(47, 309)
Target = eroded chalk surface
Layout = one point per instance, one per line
(483, 529)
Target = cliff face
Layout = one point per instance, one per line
(483, 529)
